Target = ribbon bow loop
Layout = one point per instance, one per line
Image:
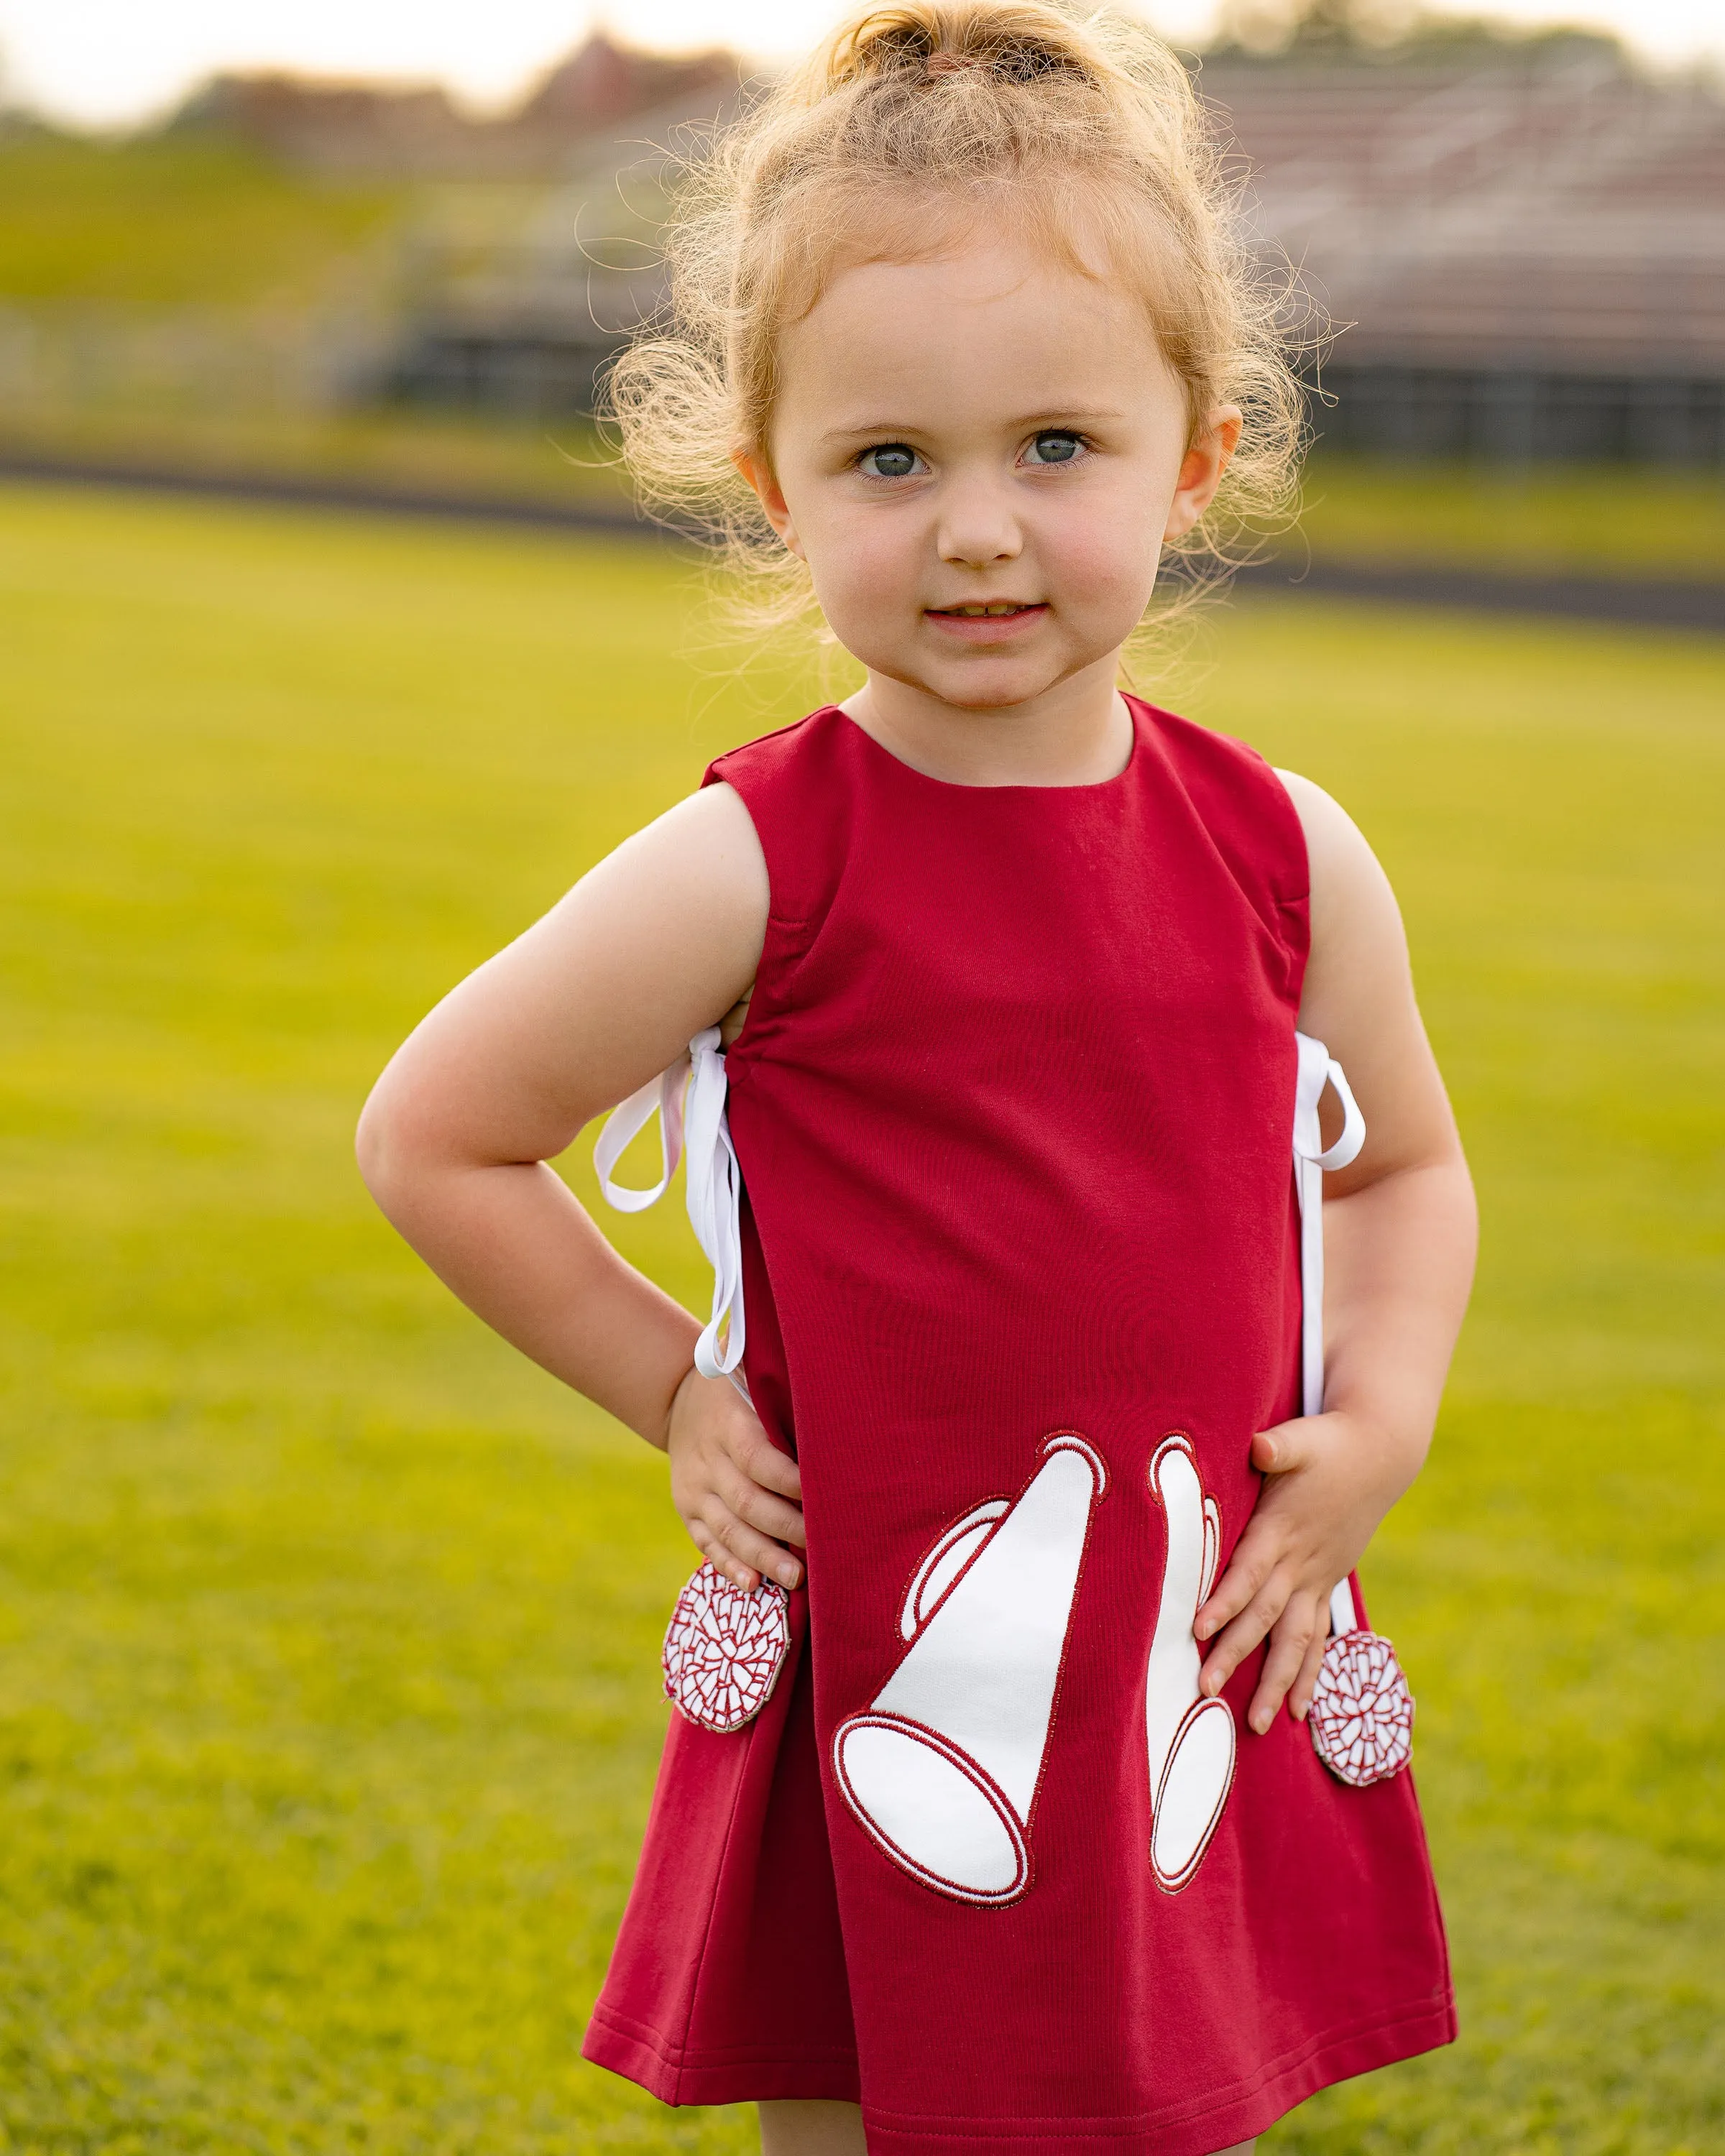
(689, 1101)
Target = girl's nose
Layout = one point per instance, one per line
(977, 528)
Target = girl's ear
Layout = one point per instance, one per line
(761, 477)
(1201, 471)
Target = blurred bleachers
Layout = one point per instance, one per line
(1524, 260)
(516, 314)
(1506, 250)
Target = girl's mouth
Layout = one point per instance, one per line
(987, 621)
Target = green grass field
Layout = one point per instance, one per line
(169, 219)
(1535, 520)
(328, 1631)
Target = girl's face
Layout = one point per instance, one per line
(980, 457)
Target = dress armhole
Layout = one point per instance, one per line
(1251, 821)
(766, 776)
(796, 799)
(1292, 893)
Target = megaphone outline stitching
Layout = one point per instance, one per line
(906, 1744)
(1201, 1740)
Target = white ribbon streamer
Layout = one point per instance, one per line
(1319, 1070)
(661, 1096)
(689, 1101)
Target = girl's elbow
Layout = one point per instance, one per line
(382, 1147)
(408, 1149)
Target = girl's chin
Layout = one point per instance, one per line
(993, 689)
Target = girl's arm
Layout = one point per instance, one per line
(1399, 1235)
(660, 940)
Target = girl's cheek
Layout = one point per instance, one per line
(869, 568)
(864, 594)
(1112, 552)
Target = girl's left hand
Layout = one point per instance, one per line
(1330, 1479)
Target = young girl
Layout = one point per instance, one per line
(1017, 986)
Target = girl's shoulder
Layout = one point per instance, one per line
(785, 757)
(793, 783)
(1242, 804)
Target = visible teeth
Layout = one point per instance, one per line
(994, 607)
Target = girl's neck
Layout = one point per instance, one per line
(1079, 733)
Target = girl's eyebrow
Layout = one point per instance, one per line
(888, 430)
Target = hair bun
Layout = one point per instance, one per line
(926, 40)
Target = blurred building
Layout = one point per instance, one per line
(362, 127)
(1521, 261)
(532, 251)
(1520, 251)
(521, 318)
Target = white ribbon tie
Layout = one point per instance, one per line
(1319, 1070)
(689, 1100)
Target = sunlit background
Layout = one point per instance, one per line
(112, 62)
(1509, 234)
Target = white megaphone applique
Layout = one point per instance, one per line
(942, 1770)
(1191, 1738)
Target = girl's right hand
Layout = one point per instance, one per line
(735, 1491)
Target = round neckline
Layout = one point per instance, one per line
(964, 786)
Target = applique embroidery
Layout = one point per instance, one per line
(942, 1770)
(1191, 1738)
(724, 1649)
(1361, 1710)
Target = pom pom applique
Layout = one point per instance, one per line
(724, 1649)
(1362, 1711)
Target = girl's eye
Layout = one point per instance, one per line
(889, 460)
(1055, 447)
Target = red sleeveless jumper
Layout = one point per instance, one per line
(1012, 1107)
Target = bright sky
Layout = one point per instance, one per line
(118, 60)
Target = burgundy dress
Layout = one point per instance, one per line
(1012, 1107)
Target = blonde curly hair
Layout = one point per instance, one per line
(910, 123)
